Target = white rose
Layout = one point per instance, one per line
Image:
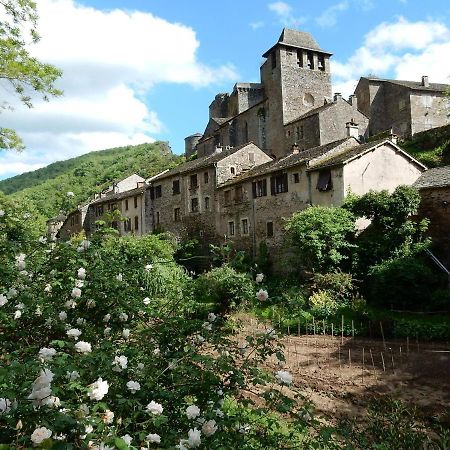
(133, 386)
(46, 354)
(76, 292)
(83, 347)
(40, 434)
(209, 428)
(98, 389)
(192, 412)
(194, 440)
(73, 333)
(283, 377)
(154, 408)
(153, 438)
(81, 273)
(262, 295)
(5, 406)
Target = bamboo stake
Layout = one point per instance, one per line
(353, 329)
(332, 329)
(349, 358)
(382, 359)
(382, 335)
(392, 360)
(373, 363)
(362, 373)
(299, 328)
(342, 330)
(339, 348)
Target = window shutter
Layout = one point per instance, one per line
(285, 182)
(254, 189)
(152, 192)
(272, 185)
(264, 187)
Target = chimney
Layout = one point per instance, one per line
(393, 137)
(295, 148)
(425, 81)
(352, 129)
(337, 95)
(353, 100)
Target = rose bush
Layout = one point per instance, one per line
(91, 359)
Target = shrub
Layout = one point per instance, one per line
(224, 287)
(323, 304)
(322, 237)
(339, 284)
(405, 283)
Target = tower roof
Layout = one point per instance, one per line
(296, 39)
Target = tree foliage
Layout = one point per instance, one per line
(391, 232)
(26, 74)
(321, 237)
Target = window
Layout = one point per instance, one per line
(244, 226)
(194, 204)
(324, 182)
(231, 228)
(321, 63)
(72, 221)
(127, 225)
(227, 197)
(273, 59)
(299, 133)
(206, 203)
(99, 210)
(296, 178)
(269, 229)
(238, 194)
(300, 58)
(126, 205)
(177, 214)
(175, 187)
(77, 219)
(193, 182)
(158, 191)
(259, 188)
(279, 184)
(135, 201)
(251, 157)
(206, 177)
(217, 140)
(233, 171)
(136, 222)
(427, 101)
(310, 60)
(157, 218)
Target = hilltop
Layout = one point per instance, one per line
(84, 175)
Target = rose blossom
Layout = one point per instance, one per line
(262, 295)
(40, 434)
(83, 347)
(154, 408)
(192, 412)
(98, 389)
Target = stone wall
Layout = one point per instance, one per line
(428, 110)
(435, 205)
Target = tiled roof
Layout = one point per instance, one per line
(346, 155)
(288, 161)
(119, 195)
(417, 85)
(437, 177)
(199, 163)
(310, 113)
(298, 39)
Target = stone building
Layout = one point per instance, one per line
(293, 97)
(323, 175)
(405, 107)
(184, 199)
(434, 189)
(74, 223)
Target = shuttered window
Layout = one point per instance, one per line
(259, 188)
(324, 182)
(279, 184)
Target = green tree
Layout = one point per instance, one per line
(321, 237)
(26, 74)
(391, 232)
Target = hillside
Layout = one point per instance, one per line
(431, 147)
(47, 188)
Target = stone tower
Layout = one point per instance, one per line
(190, 144)
(296, 78)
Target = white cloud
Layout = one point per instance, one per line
(256, 25)
(329, 17)
(285, 14)
(400, 49)
(110, 62)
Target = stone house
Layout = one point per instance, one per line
(323, 175)
(54, 225)
(405, 107)
(74, 223)
(434, 189)
(184, 199)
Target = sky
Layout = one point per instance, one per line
(137, 71)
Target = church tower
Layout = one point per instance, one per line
(296, 78)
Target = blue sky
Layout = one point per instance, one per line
(137, 71)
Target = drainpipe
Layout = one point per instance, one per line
(254, 226)
(309, 186)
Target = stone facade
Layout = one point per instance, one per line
(434, 189)
(74, 223)
(405, 107)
